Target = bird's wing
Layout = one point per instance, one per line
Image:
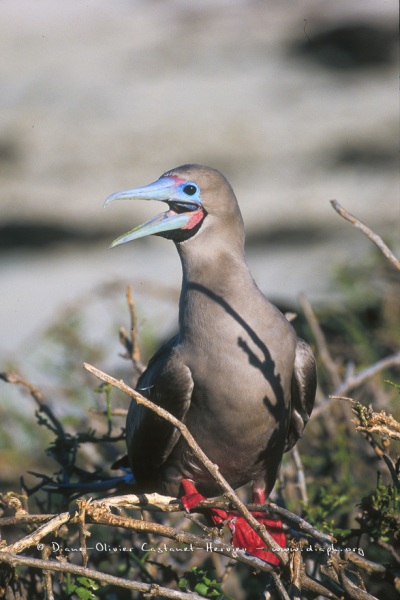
(167, 382)
(304, 384)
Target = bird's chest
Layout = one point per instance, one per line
(235, 369)
(236, 346)
(235, 412)
(241, 366)
(240, 356)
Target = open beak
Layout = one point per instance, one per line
(179, 216)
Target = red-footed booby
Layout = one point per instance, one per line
(236, 373)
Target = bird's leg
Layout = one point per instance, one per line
(258, 495)
(214, 516)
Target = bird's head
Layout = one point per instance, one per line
(195, 195)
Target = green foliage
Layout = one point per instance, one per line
(370, 320)
(198, 580)
(325, 505)
(84, 588)
(335, 486)
(380, 517)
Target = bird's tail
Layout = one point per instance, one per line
(91, 485)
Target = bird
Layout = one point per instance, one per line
(236, 372)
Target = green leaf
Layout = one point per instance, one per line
(88, 583)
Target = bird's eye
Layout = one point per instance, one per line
(190, 189)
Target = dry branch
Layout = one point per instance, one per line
(131, 344)
(352, 381)
(35, 538)
(36, 394)
(151, 589)
(98, 512)
(322, 346)
(301, 480)
(376, 239)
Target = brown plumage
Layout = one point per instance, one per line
(236, 373)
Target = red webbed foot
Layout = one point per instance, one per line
(243, 536)
(191, 496)
(273, 526)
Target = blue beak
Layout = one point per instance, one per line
(165, 189)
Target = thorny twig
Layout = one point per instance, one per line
(56, 426)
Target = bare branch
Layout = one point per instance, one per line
(279, 587)
(34, 538)
(354, 381)
(98, 511)
(82, 531)
(352, 591)
(301, 524)
(366, 565)
(64, 567)
(395, 555)
(312, 585)
(296, 570)
(23, 519)
(301, 480)
(48, 584)
(114, 412)
(320, 340)
(381, 429)
(101, 515)
(36, 394)
(147, 501)
(132, 344)
(368, 232)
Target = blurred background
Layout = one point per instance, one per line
(295, 102)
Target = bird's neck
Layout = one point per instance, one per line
(211, 281)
